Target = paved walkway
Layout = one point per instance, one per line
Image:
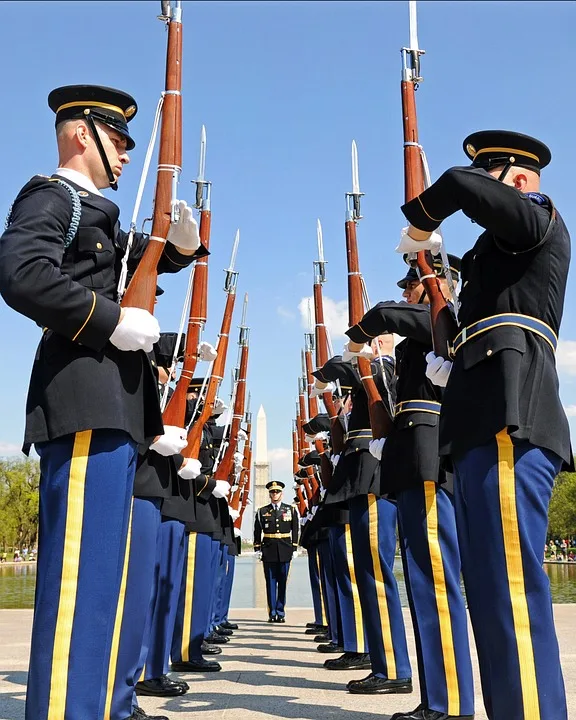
(269, 671)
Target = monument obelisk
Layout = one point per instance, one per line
(261, 465)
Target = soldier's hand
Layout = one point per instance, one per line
(190, 469)
(172, 442)
(219, 407)
(207, 352)
(334, 460)
(234, 514)
(437, 369)
(183, 231)
(221, 490)
(376, 447)
(136, 330)
(364, 351)
(326, 387)
(414, 240)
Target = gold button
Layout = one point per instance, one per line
(411, 422)
(489, 352)
(99, 246)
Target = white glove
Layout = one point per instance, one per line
(237, 532)
(364, 352)
(183, 232)
(438, 369)
(304, 520)
(376, 447)
(238, 458)
(259, 554)
(219, 406)
(317, 392)
(314, 510)
(334, 460)
(221, 490)
(409, 245)
(242, 435)
(234, 514)
(323, 435)
(322, 492)
(190, 469)
(172, 442)
(309, 438)
(207, 352)
(137, 330)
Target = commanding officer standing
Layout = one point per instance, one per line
(502, 422)
(276, 535)
(93, 395)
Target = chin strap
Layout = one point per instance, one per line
(103, 157)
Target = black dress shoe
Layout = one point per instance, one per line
(272, 618)
(229, 626)
(207, 649)
(312, 631)
(349, 661)
(315, 626)
(373, 685)
(280, 619)
(139, 714)
(219, 630)
(160, 687)
(197, 666)
(215, 639)
(323, 637)
(330, 648)
(423, 713)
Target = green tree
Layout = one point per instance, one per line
(562, 514)
(19, 483)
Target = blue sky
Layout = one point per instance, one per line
(283, 88)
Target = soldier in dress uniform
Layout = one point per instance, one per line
(410, 471)
(502, 423)
(276, 537)
(93, 396)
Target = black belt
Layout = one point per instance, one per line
(526, 322)
(430, 406)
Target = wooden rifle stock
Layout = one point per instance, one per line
(245, 469)
(380, 420)
(141, 291)
(443, 325)
(303, 445)
(175, 411)
(246, 492)
(226, 464)
(302, 507)
(195, 434)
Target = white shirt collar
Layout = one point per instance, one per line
(80, 179)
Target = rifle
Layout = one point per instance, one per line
(245, 471)
(336, 428)
(300, 445)
(325, 464)
(141, 291)
(380, 420)
(444, 327)
(176, 408)
(195, 433)
(246, 493)
(226, 464)
(302, 386)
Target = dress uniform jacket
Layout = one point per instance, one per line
(270, 523)
(79, 380)
(410, 454)
(356, 471)
(505, 377)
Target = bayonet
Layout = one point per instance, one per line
(353, 198)
(320, 264)
(355, 177)
(244, 329)
(231, 274)
(411, 55)
(203, 186)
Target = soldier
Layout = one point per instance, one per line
(276, 537)
(502, 423)
(410, 471)
(93, 396)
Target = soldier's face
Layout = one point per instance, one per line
(413, 292)
(275, 496)
(115, 148)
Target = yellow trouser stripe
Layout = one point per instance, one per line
(69, 582)
(442, 606)
(118, 624)
(358, 619)
(319, 571)
(381, 588)
(189, 596)
(515, 571)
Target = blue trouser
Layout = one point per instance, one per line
(85, 499)
(373, 531)
(353, 631)
(163, 613)
(218, 588)
(431, 560)
(201, 553)
(502, 492)
(226, 594)
(330, 590)
(315, 585)
(135, 603)
(276, 574)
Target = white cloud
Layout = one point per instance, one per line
(284, 313)
(566, 356)
(7, 449)
(335, 317)
(570, 410)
